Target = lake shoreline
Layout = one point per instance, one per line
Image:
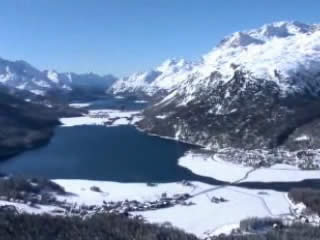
(8, 153)
(197, 175)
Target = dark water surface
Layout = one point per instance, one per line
(121, 154)
(96, 152)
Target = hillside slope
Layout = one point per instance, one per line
(25, 125)
(155, 83)
(256, 89)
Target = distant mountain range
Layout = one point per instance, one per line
(286, 53)
(32, 101)
(23, 76)
(157, 82)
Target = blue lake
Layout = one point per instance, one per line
(120, 154)
(96, 152)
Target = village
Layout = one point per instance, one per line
(47, 198)
(110, 117)
(126, 207)
(308, 159)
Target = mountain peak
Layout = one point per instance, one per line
(239, 39)
(167, 64)
(172, 65)
(281, 29)
(53, 76)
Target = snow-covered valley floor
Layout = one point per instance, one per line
(105, 117)
(212, 166)
(204, 217)
(80, 105)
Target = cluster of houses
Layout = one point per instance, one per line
(105, 116)
(164, 201)
(121, 207)
(37, 200)
(304, 159)
(31, 199)
(302, 214)
(108, 121)
(101, 114)
(218, 200)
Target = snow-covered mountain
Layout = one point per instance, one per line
(278, 52)
(23, 76)
(256, 89)
(286, 53)
(160, 80)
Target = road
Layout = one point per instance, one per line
(226, 185)
(264, 203)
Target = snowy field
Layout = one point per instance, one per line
(214, 167)
(106, 117)
(202, 218)
(80, 105)
(141, 101)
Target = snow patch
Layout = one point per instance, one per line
(103, 117)
(53, 76)
(140, 101)
(161, 116)
(79, 105)
(302, 138)
(38, 92)
(212, 166)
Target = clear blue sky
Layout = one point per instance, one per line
(124, 36)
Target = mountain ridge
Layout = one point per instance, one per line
(275, 52)
(22, 75)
